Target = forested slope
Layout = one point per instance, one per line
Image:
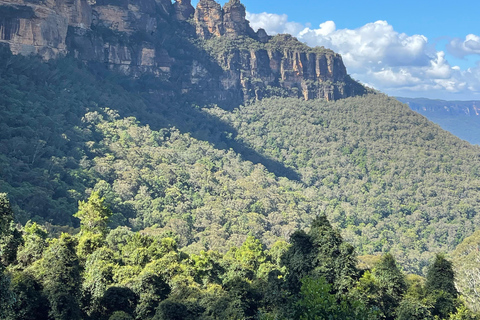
(394, 181)
(388, 178)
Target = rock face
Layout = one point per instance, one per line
(228, 63)
(183, 10)
(37, 27)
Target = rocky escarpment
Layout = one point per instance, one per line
(282, 66)
(209, 53)
(40, 27)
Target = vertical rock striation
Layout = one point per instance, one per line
(210, 53)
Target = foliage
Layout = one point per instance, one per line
(368, 162)
(466, 263)
(93, 214)
(388, 178)
(61, 278)
(317, 302)
(440, 286)
(132, 275)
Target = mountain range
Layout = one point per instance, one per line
(458, 117)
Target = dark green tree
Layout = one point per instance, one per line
(320, 253)
(390, 283)
(61, 278)
(120, 315)
(441, 277)
(151, 289)
(172, 310)
(335, 260)
(118, 299)
(413, 309)
(6, 214)
(298, 260)
(440, 287)
(243, 299)
(30, 302)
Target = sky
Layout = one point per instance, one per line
(406, 48)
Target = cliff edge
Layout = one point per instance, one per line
(209, 52)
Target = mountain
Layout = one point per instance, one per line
(462, 118)
(188, 123)
(208, 54)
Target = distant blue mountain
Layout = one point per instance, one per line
(462, 118)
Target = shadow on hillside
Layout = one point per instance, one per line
(223, 136)
(203, 126)
(167, 106)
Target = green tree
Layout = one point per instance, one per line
(413, 309)
(97, 276)
(30, 301)
(118, 299)
(383, 287)
(318, 303)
(94, 214)
(61, 278)
(151, 289)
(6, 220)
(172, 310)
(390, 285)
(320, 253)
(34, 244)
(6, 215)
(440, 287)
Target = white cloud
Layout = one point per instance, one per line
(462, 48)
(273, 23)
(393, 62)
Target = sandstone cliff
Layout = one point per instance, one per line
(209, 53)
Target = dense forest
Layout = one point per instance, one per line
(123, 203)
(103, 273)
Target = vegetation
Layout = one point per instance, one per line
(127, 208)
(390, 179)
(133, 275)
(386, 177)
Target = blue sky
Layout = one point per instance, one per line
(405, 48)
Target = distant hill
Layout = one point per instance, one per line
(462, 118)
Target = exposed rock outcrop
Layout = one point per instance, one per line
(41, 27)
(209, 19)
(256, 73)
(153, 37)
(183, 10)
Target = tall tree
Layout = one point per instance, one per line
(440, 286)
(94, 216)
(390, 285)
(320, 253)
(6, 214)
(61, 270)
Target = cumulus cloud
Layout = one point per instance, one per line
(273, 23)
(385, 59)
(462, 48)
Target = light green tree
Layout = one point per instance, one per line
(94, 214)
